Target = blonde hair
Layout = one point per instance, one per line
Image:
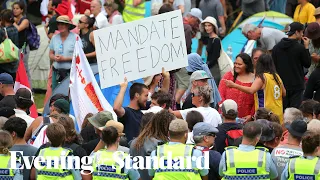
(6, 142)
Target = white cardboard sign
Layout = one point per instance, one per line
(140, 48)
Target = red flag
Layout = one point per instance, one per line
(23, 82)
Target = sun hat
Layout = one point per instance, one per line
(118, 125)
(210, 20)
(66, 20)
(313, 31)
(100, 119)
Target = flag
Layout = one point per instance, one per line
(85, 92)
(22, 81)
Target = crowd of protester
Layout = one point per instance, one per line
(261, 120)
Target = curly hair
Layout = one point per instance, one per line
(157, 128)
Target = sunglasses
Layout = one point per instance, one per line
(80, 22)
(211, 134)
(194, 95)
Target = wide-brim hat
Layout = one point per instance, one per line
(297, 127)
(65, 19)
(210, 20)
(313, 31)
(148, 80)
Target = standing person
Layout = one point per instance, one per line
(267, 87)
(209, 25)
(61, 50)
(134, 10)
(306, 166)
(178, 133)
(236, 161)
(204, 135)
(290, 7)
(242, 75)
(193, 117)
(17, 127)
(201, 99)
(267, 37)
(313, 32)
(211, 8)
(101, 19)
(198, 68)
(155, 132)
(114, 16)
(282, 153)
(313, 86)
(294, 56)
(131, 116)
(86, 27)
(7, 20)
(7, 91)
(304, 12)
(251, 7)
(23, 103)
(229, 127)
(6, 143)
(256, 53)
(104, 158)
(289, 115)
(22, 24)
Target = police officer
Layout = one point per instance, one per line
(105, 166)
(134, 10)
(178, 133)
(56, 135)
(248, 161)
(308, 165)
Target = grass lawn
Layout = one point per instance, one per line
(38, 99)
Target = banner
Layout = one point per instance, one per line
(22, 81)
(140, 48)
(85, 93)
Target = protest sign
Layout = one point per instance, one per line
(85, 93)
(140, 48)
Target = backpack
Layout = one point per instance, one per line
(234, 136)
(33, 37)
(46, 121)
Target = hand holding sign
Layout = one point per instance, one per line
(124, 84)
(165, 74)
(140, 48)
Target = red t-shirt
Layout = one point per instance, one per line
(245, 101)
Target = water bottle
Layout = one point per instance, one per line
(60, 50)
(229, 51)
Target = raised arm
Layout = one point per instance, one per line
(256, 86)
(117, 105)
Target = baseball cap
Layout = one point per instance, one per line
(317, 11)
(297, 127)
(6, 78)
(293, 27)
(227, 105)
(115, 124)
(178, 125)
(100, 119)
(267, 130)
(198, 75)
(202, 128)
(63, 105)
(196, 12)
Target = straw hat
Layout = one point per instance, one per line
(115, 124)
(210, 20)
(148, 80)
(65, 19)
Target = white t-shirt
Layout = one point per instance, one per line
(190, 139)
(210, 115)
(101, 21)
(270, 37)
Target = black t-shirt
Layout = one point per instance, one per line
(131, 121)
(188, 102)
(213, 50)
(221, 135)
(88, 47)
(8, 101)
(89, 146)
(52, 24)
